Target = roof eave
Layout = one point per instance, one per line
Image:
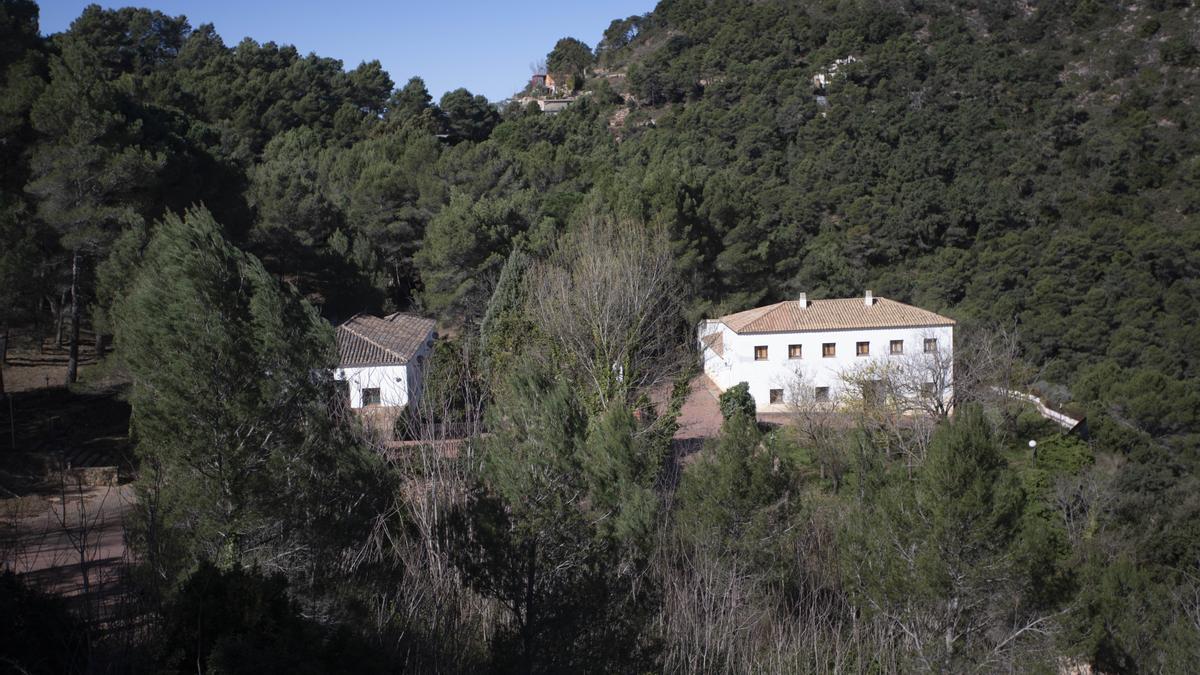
(949, 323)
(372, 364)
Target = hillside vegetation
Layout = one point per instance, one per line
(1004, 162)
(1031, 169)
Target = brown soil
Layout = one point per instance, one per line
(71, 543)
(47, 428)
(700, 416)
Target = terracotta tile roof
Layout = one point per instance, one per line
(392, 340)
(716, 342)
(840, 314)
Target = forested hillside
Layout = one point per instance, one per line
(1031, 168)
(1005, 163)
(1029, 163)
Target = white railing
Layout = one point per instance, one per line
(1042, 408)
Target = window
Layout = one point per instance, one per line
(862, 348)
(776, 396)
(829, 349)
(760, 353)
(928, 389)
(930, 345)
(896, 346)
(370, 396)
(793, 351)
(821, 394)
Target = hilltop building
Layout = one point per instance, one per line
(828, 350)
(544, 81)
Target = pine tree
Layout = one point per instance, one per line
(89, 175)
(412, 105)
(534, 537)
(505, 327)
(22, 78)
(242, 461)
(18, 286)
(934, 556)
(736, 497)
(466, 242)
(468, 117)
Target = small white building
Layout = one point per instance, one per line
(382, 360)
(827, 350)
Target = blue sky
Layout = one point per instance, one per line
(484, 46)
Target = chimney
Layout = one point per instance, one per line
(803, 300)
(869, 299)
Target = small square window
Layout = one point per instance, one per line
(862, 348)
(896, 346)
(821, 394)
(776, 396)
(928, 389)
(829, 349)
(794, 351)
(930, 345)
(760, 353)
(370, 396)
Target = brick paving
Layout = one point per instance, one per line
(700, 416)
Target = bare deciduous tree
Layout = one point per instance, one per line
(1082, 500)
(424, 593)
(609, 301)
(817, 424)
(988, 369)
(722, 613)
(891, 403)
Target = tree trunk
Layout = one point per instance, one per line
(101, 345)
(58, 319)
(73, 356)
(527, 626)
(3, 360)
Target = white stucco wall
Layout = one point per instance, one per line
(397, 384)
(779, 371)
(716, 367)
(392, 382)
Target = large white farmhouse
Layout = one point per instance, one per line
(827, 350)
(382, 360)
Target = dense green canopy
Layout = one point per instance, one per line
(1034, 166)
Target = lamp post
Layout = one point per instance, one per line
(1033, 448)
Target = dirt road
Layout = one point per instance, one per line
(71, 543)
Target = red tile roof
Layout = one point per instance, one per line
(392, 340)
(835, 314)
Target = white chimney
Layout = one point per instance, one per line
(869, 299)
(803, 300)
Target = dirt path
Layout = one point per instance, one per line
(70, 544)
(700, 416)
(41, 364)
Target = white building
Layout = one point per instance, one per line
(382, 360)
(828, 350)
